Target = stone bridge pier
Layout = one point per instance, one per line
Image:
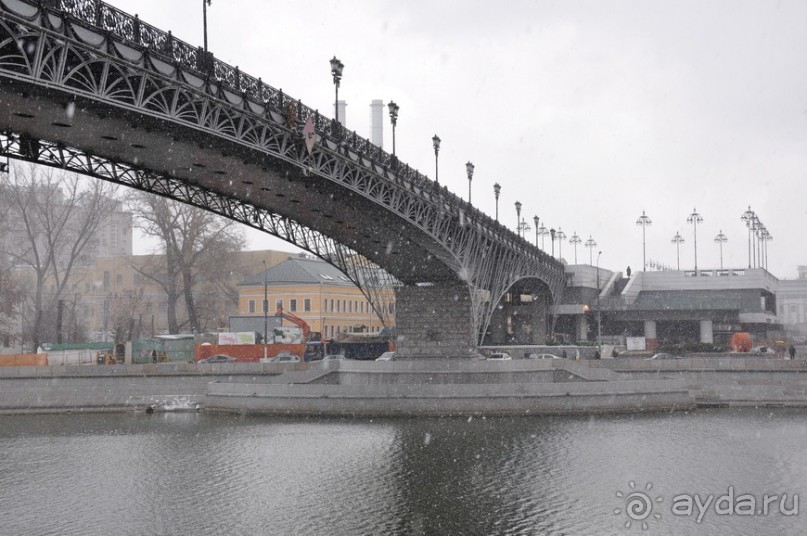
(434, 321)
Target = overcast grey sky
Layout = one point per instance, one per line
(587, 113)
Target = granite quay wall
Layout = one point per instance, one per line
(118, 387)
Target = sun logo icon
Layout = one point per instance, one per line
(638, 505)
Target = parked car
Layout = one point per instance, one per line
(663, 356)
(499, 356)
(285, 358)
(386, 356)
(543, 356)
(218, 358)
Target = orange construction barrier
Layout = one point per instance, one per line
(24, 360)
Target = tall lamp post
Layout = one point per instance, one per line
(436, 145)
(768, 237)
(469, 170)
(599, 313)
(518, 218)
(543, 231)
(536, 220)
(561, 236)
(265, 309)
(497, 189)
(747, 217)
(393, 115)
(574, 240)
(695, 219)
(644, 221)
(336, 70)
(721, 239)
(678, 240)
(552, 235)
(590, 244)
(205, 3)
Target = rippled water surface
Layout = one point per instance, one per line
(196, 473)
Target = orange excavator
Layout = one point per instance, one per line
(307, 334)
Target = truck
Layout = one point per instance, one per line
(364, 350)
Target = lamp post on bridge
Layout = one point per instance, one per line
(721, 239)
(552, 235)
(205, 3)
(393, 115)
(436, 145)
(543, 231)
(336, 70)
(695, 219)
(678, 240)
(574, 240)
(518, 218)
(536, 220)
(497, 189)
(469, 169)
(561, 236)
(590, 244)
(644, 221)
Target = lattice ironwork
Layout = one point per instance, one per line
(134, 66)
(376, 284)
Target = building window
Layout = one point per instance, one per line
(279, 305)
(337, 306)
(106, 280)
(350, 306)
(119, 279)
(293, 306)
(251, 306)
(307, 305)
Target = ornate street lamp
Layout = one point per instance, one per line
(721, 239)
(678, 240)
(336, 70)
(543, 231)
(552, 235)
(748, 217)
(205, 3)
(644, 221)
(497, 189)
(436, 145)
(695, 219)
(536, 220)
(518, 218)
(393, 115)
(574, 240)
(590, 244)
(469, 169)
(768, 237)
(561, 236)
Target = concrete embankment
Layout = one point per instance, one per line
(54, 389)
(421, 387)
(448, 387)
(731, 381)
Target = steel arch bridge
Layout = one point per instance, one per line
(89, 88)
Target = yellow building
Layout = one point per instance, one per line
(313, 290)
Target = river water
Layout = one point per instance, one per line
(198, 473)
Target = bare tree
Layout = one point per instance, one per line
(196, 245)
(53, 219)
(125, 313)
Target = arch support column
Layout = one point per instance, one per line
(434, 321)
